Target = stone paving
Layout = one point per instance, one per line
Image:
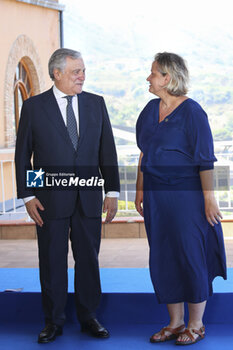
(114, 252)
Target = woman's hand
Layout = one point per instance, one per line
(138, 202)
(139, 188)
(212, 212)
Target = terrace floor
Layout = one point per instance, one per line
(114, 253)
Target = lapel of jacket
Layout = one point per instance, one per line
(54, 115)
(83, 108)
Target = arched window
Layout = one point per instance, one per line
(23, 89)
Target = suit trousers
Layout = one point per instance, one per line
(85, 234)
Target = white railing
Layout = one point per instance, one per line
(13, 208)
(10, 206)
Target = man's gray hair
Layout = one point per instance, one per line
(175, 66)
(58, 60)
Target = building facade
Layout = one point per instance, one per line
(30, 31)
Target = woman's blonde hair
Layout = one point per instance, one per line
(175, 66)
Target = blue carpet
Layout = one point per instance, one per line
(124, 290)
(132, 337)
(124, 280)
(128, 308)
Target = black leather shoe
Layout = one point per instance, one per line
(94, 328)
(49, 333)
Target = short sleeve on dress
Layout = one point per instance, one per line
(201, 139)
(138, 127)
(145, 124)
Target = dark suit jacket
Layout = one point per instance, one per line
(42, 134)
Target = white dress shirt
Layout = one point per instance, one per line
(62, 104)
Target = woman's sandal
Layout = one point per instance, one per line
(192, 340)
(175, 332)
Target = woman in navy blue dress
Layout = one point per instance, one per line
(175, 196)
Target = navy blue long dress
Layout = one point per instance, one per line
(186, 252)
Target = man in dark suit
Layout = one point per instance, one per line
(68, 130)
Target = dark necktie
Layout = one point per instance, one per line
(71, 123)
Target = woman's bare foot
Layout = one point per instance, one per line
(167, 333)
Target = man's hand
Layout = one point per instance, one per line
(32, 208)
(110, 206)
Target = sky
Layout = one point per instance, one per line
(199, 13)
(153, 26)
